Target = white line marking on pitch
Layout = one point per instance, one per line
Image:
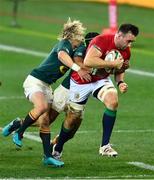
(134, 131)
(32, 137)
(140, 73)
(22, 50)
(43, 54)
(29, 135)
(35, 133)
(11, 97)
(89, 177)
(142, 165)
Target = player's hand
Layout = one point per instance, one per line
(125, 66)
(123, 87)
(84, 75)
(118, 63)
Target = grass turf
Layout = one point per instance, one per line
(41, 22)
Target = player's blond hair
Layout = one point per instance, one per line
(72, 30)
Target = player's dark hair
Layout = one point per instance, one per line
(126, 28)
(89, 36)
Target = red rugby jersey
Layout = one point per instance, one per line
(105, 43)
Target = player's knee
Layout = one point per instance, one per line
(42, 108)
(74, 113)
(107, 91)
(111, 100)
(113, 105)
(76, 110)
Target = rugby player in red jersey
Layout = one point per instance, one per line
(101, 85)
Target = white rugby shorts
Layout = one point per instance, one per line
(32, 85)
(81, 92)
(60, 98)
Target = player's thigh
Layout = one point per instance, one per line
(103, 88)
(60, 98)
(37, 91)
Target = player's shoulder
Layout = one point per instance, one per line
(64, 45)
(64, 42)
(80, 50)
(105, 36)
(81, 47)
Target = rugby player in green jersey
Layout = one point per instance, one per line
(60, 95)
(37, 85)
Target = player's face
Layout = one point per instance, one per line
(125, 40)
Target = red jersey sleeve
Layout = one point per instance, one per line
(101, 43)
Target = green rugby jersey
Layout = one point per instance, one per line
(51, 69)
(79, 52)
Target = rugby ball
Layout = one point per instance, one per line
(111, 56)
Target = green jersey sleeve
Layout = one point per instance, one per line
(51, 69)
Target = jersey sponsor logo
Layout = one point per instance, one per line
(98, 48)
(76, 96)
(67, 50)
(80, 54)
(63, 69)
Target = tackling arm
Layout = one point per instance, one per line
(84, 71)
(79, 61)
(67, 60)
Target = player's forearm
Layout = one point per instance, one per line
(95, 62)
(119, 77)
(93, 59)
(123, 87)
(67, 60)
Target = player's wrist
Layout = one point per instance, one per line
(119, 82)
(75, 67)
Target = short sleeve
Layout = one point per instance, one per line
(65, 45)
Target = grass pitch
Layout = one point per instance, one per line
(41, 22)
